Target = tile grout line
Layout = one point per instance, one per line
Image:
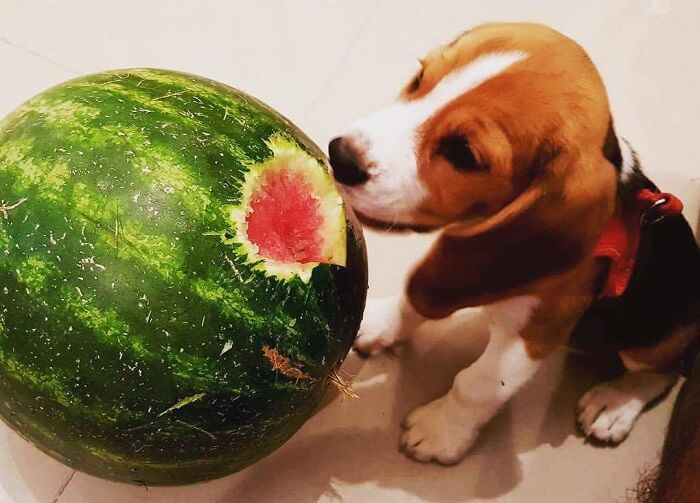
(345, 55)
(62, 488)
(5, 41)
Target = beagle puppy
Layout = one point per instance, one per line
(504, 144)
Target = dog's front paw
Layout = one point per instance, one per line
(381, 326)
(608, 412)
(438, 431)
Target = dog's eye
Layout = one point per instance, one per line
(455, 148)
(415, 83)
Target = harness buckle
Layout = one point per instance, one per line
(659, 215)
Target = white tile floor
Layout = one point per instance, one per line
(323, 63)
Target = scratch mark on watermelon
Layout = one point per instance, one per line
(227, 347)
(196, 428)
(182, 403)
(169, 95)
(5, 209)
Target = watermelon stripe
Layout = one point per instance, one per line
(38, 276)
(153, 253)
(53, 386)
(171, 177)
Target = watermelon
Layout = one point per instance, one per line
(179, 277)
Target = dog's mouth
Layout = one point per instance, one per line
(398, 227)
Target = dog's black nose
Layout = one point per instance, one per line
(347, 167)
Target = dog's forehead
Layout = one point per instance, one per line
(533, 40)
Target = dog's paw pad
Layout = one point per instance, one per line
(607, 412)
(437, 432)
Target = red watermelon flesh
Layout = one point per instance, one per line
(284, 218)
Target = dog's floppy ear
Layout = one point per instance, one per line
(550, 226)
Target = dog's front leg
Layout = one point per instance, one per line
(444, 429)
(387, 321)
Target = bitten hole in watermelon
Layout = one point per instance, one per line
(284, 219)
(291, 217)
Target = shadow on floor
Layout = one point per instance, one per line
(320, 465)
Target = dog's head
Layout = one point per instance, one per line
(504, 140)
(491, 123)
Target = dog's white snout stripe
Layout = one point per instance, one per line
(457, 83)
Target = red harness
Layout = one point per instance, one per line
(619, 241)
